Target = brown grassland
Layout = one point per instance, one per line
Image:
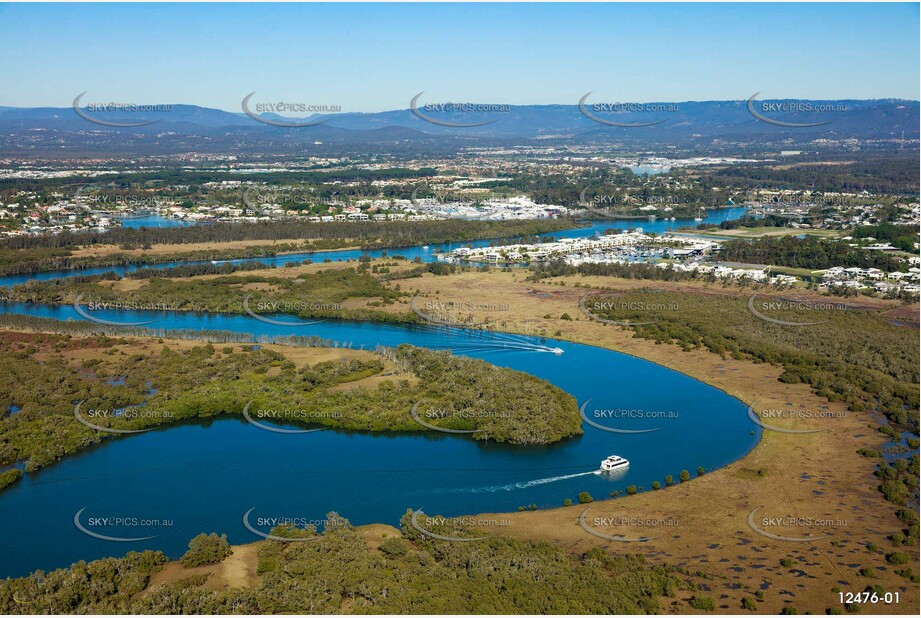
(817, 475)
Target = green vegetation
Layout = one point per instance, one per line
(339, 573)
(902, 236)
(316, 295)
(8, 477)
(46, 375)
(853, 356)
(704, 604)
(206, 549)
(29, 254)
(897, 558)
(812, 253)
(584, 497)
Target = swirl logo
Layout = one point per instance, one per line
(779, 521)
(414, 108)
(108, 521)
(619, 538)
(610, 123)
(414, 520)
(276, 123)
(598, 318)
(754, 418)
(611, 429)
(779, 123)
(106, 123)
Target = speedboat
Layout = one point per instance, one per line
(614, 462)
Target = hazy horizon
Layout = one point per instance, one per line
(374, 58)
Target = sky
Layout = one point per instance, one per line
(374, 57)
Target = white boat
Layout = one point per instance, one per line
(614, 462)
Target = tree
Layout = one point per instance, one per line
(584, 497)
(206, 549)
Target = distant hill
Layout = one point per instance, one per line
(687, 123)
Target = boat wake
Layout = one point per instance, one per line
(526, 484)
(488, 341)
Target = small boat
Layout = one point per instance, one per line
(614, 462)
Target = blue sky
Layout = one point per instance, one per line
(368, 57)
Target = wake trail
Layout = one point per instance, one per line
(526, 484)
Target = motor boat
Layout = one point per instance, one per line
(614, 462)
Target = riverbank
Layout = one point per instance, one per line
(819, 476)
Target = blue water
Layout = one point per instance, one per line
(155, 221)
(423, 253)
(639, 170)
(204, 476)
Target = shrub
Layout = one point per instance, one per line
(749, 604)
(9, 477)
(703, 603)
(206, 549)
(897, 557)
(631, 489)
(786, 562)
(567, 502)
(684, 476)
(584, 497)
(656, 485)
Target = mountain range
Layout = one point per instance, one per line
(680, 123)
